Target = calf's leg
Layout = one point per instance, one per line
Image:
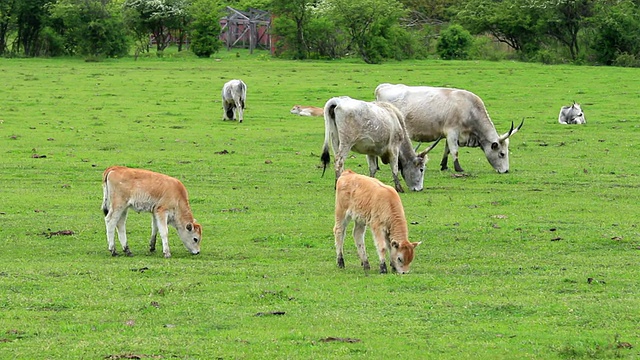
(154, 233)
(379, 239)
(161, 223)
(339, 231)
(358, 236)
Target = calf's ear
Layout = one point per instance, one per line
(415, 244)
(189, 227)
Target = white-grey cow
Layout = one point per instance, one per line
(374, 129)
(459, 115)
(234, 95)
(571, 115)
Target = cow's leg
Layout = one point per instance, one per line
(445, 158)
(358, 236)
(339, 231)
(452, 145)
(379, 237)
(228, 111)
(111, 221)
(240, 109)
(393, 161)
(373, 165)
(122, 233)
(161, 223)
(154, 234)
(340, 155)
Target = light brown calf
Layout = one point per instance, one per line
(307, 110)
(143, 190)
(370, 202)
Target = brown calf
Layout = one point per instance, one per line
(143, 190)
(370, 202)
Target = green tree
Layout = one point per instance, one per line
(511, 22)
(616, 26)
(364, 21)
(205, 28)
(454, 43)
(292, 18)
(157, 17)
(564, 19)
(90, 28)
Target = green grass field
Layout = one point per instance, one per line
(540, 263)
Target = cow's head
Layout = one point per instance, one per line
(575, 115)
(401, 254)
(498, 151)
(413, 171)
(191, 236)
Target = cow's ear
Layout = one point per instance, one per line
(494, 146)
(415, 244)
(189, 227)
(395, 244)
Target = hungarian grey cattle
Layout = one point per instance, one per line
(374, 129)
(458, 115)
(571, 115)
(234, 95)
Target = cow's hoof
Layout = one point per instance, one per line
(167, 255)
(152, 249)
(340, 262)
(114, 254)
(383, 268)
(366, 266)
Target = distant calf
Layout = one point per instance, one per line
(142, 190)
(370, 202)
(571, 115)
(307, 110)
(234, 94)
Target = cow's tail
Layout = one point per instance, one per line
(243, 91)
(105, 192)
(330, 130)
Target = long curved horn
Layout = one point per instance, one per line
(425, 152)
(417, 147)
(511, 131)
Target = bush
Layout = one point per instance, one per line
(454, 43)
(626, 60)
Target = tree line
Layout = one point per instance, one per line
(551, 31)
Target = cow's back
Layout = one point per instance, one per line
(140, 187)
(367, 198)
(429, 112)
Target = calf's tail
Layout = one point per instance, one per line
(330, 130)
(105, 192)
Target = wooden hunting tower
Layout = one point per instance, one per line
(246, 29)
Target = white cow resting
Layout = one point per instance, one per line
(234, 95)
(458, 115)
(374, 129)
(571, 115)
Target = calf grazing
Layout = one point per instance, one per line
(458, 115)
(234, 94)
(370, 202)
(143, 190)
(307, 110)
(571, 115)
(374, 129)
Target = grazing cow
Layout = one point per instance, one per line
(234, 94)
(370, 202)
(307, 110)
(458, 115)
(571, 115)
(374, 129)
(143, 190)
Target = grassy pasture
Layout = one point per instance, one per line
(540, 263)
